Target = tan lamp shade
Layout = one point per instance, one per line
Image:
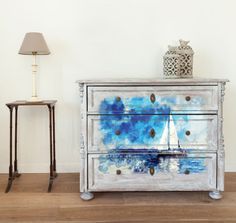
(34, 43)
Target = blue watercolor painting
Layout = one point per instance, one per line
(141, 163)
(119, 128)
(133, 129)
(136, 105)
(143, 105)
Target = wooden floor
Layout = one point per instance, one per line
(28, 201)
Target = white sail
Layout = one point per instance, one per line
(169, 136)
(164, 137)
(173, 133)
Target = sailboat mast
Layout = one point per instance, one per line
(168, 139)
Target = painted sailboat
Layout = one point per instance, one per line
(170, 146)
(169, 141)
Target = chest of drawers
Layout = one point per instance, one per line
(152, 135)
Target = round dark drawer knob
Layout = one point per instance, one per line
(187, 98)
(152, 133)
(152, 170)
(152, 98)
(117, 132)
(118, 98)
(188, 133)
(187, 172)
(118, 172)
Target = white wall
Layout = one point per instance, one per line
(103, 39)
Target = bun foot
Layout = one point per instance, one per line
(86, 196)
(216, 195)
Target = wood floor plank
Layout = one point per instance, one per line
(28, 201)
(112, 213)
(230, 182)
(114, 199)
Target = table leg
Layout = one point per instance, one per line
(10, 177)
(53, 173)
(16, 174)
(50, 137)
(54, 146)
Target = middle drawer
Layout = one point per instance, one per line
(158, 132)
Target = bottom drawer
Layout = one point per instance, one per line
(151, 172)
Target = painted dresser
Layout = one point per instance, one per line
(152, 135)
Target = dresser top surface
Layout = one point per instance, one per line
(194, 81)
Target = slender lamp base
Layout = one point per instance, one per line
(34, 97)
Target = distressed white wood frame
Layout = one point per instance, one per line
(83, 138)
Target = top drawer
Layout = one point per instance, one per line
(151, 99)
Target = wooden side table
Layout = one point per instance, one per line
(13, 106)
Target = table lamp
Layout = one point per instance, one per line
(34, 44)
